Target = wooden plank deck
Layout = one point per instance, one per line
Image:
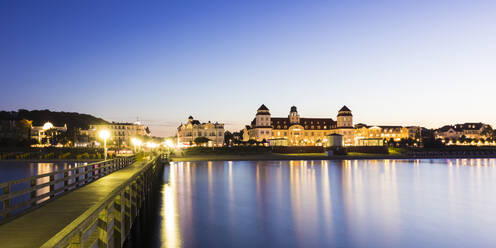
(38, 226)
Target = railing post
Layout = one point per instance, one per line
(133, 200)
(86, 174)
(103, 224)
(138, 195)
(66, 181)
(76, 171)
(127, 209)
(77, 241)
(6, 202)
(119, 220)
(52, 186)
(33, 192)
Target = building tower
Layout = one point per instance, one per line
(294, 117)
(262, 117)
(345, 118)
(262, 124)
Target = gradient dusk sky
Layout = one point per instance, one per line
(425, 63)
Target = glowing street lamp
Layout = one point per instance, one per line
(104, 134)
(169, 143)
(151, 145)
(136, 142)
(47, 126)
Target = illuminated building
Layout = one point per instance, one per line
(299, 131)
(396, 133)
(469, 130)
(120, 133)
(41, 132)
(187, 133)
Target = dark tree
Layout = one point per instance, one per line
(228, 138)
(201, 140)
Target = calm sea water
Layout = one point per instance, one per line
(361, 203)
(11, 170)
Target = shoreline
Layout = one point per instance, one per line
(265, 157)
(50, 160)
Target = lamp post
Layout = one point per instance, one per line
(104, 134)
(46, 126)
(136, 142)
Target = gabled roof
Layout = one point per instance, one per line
(307, 123)
(344, 111)
(462, 127)
(344, 108)
(445, 128)
(470, 126)
(391, 127)
(263, 107)
(361, 125)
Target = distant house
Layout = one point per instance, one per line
(396, 133)
(447, 131)
(469, 130)
(120, 133)
(187, 133)
(41, 132)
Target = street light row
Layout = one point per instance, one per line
(137, 143)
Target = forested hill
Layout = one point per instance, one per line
(39, 117)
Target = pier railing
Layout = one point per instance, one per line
(19, 196)
(107, 223)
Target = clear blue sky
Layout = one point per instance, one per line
(392, 62)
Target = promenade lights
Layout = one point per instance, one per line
(104, 134)
(151, 145)
(47, 126)
(136, 142)
(169, 143)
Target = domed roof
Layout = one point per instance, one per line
(263, 107)
(293, 109)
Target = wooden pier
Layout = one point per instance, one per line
(100, 214)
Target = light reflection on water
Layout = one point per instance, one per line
(170, 228)
(354, 203)
(14, 170)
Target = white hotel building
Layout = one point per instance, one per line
(187, 133)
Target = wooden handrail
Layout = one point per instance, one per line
(17, 181)
(79, 232)
(14, 203)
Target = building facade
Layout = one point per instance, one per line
(120, 133)
(364, 134)
(294, 130)
(40, 133)
(187, 133)
(469, 130)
